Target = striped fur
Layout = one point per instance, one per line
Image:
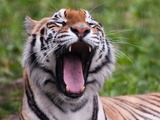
(136, 107)
(73, 35)
(31, 110)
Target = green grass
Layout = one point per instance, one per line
(132, 26)
(10, 98)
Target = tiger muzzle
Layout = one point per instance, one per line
(80, 29)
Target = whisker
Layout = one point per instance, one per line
(113, 32)
(61, 49)
(90, 11)
(123, 55)
(33, 62)
(52, 6)
(28, 56)
(125, 43)
(119, 38)
(50, 51)
(119, 41)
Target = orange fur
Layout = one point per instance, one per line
(125, 107)
(40, 24)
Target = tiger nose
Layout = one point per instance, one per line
(80, 30)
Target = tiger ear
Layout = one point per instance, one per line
(29, 24)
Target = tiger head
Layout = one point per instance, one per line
(67, 55)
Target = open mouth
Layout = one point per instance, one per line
(72, 69)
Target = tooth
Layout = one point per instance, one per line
(70, 48)
(82, 89)
(90, 49)
(67, 89)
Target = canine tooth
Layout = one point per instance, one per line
(90, 49)
(82, 89)
(67, 89)
(70, 48)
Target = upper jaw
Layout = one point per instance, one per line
(79, 53)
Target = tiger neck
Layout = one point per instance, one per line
(40, 107)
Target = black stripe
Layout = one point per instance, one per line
(95, 108)
(42, 38)
(79, 106)
(32, 103)
(84, 13)
(104, 114)
(156, 96)
(114, 108)
(148, 100)
(60, 41)
(142, 108)
(61, 36)
(122, 106)
(148, 107)
(95, 37)
(58, 104)
(133, 106)
(52, 26)
(60, 31)
(65, 14)
(50, 36)
(32, 53)
(94, 82)
(100, 24)
(99, 67)
(60, 50)
(107, 60)
(56, 15)
(33, 42)
(108, 46)
(21, 117)
(49, 81)
(48, 71)
(100, 56)
(59, 14)
(42, 31)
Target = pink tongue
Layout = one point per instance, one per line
(73, 74)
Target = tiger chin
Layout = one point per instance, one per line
(66, 60)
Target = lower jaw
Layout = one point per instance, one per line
(73, 95)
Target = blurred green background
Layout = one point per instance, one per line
(133, 26)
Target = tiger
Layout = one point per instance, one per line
(66, 60)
